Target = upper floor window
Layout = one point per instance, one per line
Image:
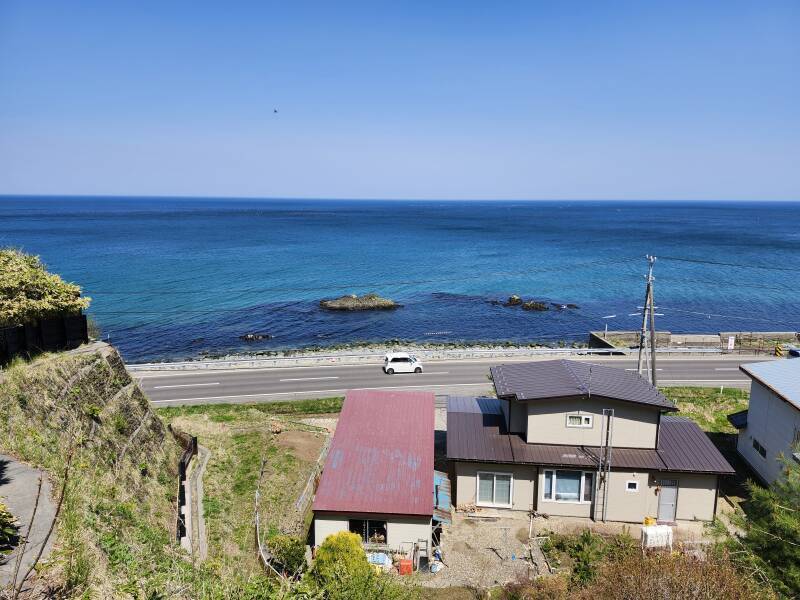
(579, 420)
(759, 448)
(568, 486)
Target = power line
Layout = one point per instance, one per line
(727, 264)
(483, 275)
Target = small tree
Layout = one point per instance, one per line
(289, 551)
(28, 292)
(773, 529)
(339, 555)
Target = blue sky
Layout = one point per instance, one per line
(516, 100)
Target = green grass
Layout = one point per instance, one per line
(240, 437)
(708, 407)
(226, 413)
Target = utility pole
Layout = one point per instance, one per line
(648, 311)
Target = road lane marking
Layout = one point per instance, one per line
(163, 387)
(391, 387)
(645, 369)
(715, 381)
(435, 373)
(308, 379)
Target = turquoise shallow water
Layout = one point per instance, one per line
(173, 278)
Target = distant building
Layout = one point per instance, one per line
(378, 479)
(567, 438)
(770, 427)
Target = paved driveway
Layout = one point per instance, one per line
(18, 484)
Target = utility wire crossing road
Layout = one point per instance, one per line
(248, 385)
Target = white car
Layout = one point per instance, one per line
(400, 362)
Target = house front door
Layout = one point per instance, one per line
(667, 500)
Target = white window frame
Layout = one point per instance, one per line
(479, 502)
(635, 486)
(587, 421)
(581, 494)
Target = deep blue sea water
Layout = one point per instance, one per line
(171, 278)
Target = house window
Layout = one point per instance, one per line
(370, 531)
(631, 485)
(494, 489)
(759, 448)
(579, 421)
(568, 486)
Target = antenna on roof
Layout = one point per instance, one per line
(589, 386)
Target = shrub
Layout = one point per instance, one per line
(663, 575)
(540, 588)
(9, 530)
(28, 292)
(339, 555)
(773, 531)
(290, 551)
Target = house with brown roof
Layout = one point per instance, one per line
(378, 478)
(568, 438)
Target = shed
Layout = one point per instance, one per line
(378, 478)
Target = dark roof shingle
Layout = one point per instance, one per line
(476, 432)
(569, 378)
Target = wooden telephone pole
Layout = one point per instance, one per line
(648, 321)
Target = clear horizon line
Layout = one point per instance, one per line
(4, 196)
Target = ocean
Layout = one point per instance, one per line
(180, 278)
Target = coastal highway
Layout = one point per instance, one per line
(249, 385)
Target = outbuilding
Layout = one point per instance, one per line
(378, 478)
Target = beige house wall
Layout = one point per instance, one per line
(466, 492)
(400, 530)
(696, 493)
(635, 425)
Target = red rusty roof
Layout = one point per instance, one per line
(381, 458)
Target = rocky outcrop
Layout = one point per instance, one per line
(514, 301)
(534, 305)
(353, 302)
(255, 337)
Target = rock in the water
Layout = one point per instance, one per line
(254, 337)
(353, 302)
(572, 305)
(534, 305)
(514, 301)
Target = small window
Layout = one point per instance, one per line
(370, 531)
(588, 486)
(579, 421)
(759, 448)
(631, 485)
(494, 489)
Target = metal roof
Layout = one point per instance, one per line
(738, 419)
(476, 435)
(381, 458)
(780, 376)
(568, 378)
(684, 447)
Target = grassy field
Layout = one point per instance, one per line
(240, 437)
(708, 407)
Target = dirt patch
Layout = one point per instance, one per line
(304, 445)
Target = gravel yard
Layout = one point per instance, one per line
(485, 552)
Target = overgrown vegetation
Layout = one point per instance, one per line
(708, 407)
(592, 566)
(341, 572)
(239, 412)
(581, 554)
(770, 548)
(243, 440)
(29, 292)
(9, 530)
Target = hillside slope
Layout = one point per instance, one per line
(117, 521)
